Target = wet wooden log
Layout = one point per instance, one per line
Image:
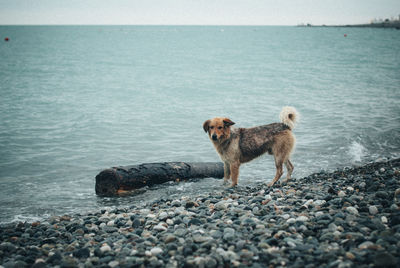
(117, 180)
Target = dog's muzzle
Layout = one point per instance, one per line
(214, 137)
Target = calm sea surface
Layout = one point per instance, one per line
(77, 100)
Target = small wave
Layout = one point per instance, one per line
(24, 218)
(357, 151)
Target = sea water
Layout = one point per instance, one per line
(78, 99)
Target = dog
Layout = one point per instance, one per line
(238, 146)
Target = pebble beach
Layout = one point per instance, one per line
(346, 218)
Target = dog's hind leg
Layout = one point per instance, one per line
(289, 167)
(279, 170)
(281, 150)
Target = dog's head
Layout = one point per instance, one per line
(218, 128)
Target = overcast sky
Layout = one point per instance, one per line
(196, 12)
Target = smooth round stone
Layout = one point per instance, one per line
(229, 233)
(199, 238)
(229, 230)
(319, 202)
(268, 197)
(350, 189)
(176, 203)
(159, 227)
(180, 232)
(352, 210)
(163, 216)
(394, 207)
(199, 261)
(156, 251)
(136, 223)
(319, 214)
(302, 218)
(308, 203)
(82, 253)
(221, 205)
(365, 245)
(291, 221)
(397, 192)
(382, 194)
(210, 262)
(151, 216)
(350, 256)
(189, 204)
(170, 238)
(113, 264)
(105, 248)
(373, 210)
(362, 185)
(215, 234)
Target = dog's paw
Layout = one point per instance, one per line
(270, 184)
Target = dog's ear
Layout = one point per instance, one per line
(206, 125)
(228, 122)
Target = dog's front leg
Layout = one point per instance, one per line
(227, 172)
(235, 173)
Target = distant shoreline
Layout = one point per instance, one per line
(390, 24)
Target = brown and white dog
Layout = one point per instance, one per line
(237, 146)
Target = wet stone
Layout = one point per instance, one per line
(189, 204)
(136, 223)
(382, 195)
(81, 253)
(384, 259)
(195, 221)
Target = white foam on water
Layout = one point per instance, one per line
(29, 219)
(357, 151)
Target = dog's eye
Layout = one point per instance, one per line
(219, 127)
(211, 127)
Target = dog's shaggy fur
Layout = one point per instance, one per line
(237, 146)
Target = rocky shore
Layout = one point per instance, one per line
(347, 218)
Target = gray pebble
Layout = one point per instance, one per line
(373, 210)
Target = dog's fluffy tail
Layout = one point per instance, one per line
(289, 116)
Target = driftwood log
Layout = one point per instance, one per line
(119, 180)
